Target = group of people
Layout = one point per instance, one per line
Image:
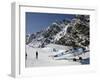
(36, 55)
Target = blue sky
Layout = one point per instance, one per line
(37, 21)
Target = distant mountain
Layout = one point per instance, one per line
(69, 33)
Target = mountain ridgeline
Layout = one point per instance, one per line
(74, 33)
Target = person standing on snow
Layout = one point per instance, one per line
(26, 56)
(36, 55)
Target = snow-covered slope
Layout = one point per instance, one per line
(44, 58)
(61, 33)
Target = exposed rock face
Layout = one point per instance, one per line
(77, 33)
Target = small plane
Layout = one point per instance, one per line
(71, 54)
